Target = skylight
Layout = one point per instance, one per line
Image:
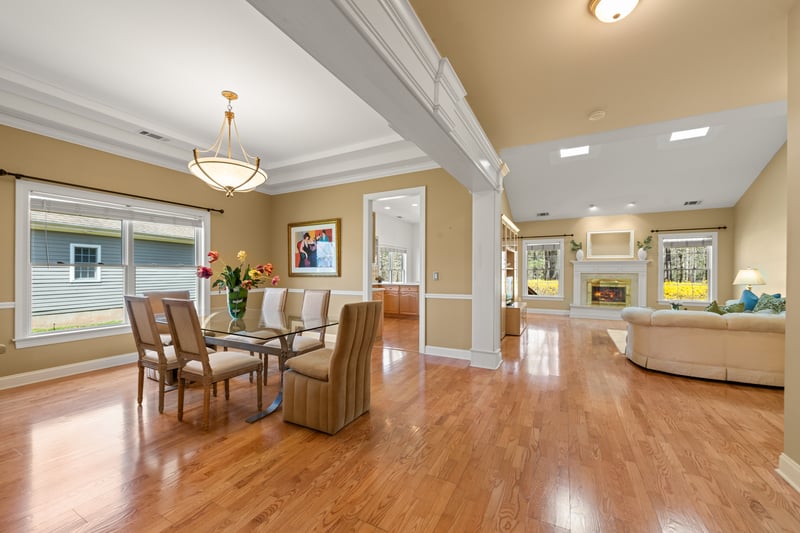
(688, 134)
(572, 152)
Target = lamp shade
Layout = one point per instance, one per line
(227, 174)
(612, 10)
(749, 277)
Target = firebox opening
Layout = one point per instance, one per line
(609, 292)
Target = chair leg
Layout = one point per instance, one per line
(141, 384)
(181, 387)
(227, 389)
(161, 384)
(215, 389)
(206, 405)
(264, 362)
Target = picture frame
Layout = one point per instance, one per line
(315, 248)
(612, 244)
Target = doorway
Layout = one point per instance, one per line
(394, 259)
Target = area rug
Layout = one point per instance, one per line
(620, 338)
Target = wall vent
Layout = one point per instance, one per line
(152, 135)
(692, 202)
(543, 214)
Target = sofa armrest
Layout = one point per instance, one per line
(637, 315)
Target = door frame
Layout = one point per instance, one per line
(369, 243)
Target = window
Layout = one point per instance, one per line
(392, 264)
(84, 259)
(687, 267)
(79, 252)
(544, 268)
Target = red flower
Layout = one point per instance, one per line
(213, 255)
(204, 272)
(247, 284)
(275, 280)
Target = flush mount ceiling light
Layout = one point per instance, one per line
(688, 134)
(225, 173)
(612, 10)
(572, 152)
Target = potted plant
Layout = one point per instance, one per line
(577, 247)
(643, 246)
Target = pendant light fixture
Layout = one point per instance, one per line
(226, 173)
(612, 10)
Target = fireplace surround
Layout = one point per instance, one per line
(601, 289)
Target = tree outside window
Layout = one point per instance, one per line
(544, 266)
(392, 264)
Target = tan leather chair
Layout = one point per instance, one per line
(197, 364)
(329, 388)
(155, 298)
(152, 352)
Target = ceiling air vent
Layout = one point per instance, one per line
(152, 135)
(692, 202)
(543, 214)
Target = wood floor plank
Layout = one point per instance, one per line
(566, 436)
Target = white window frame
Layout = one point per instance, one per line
(712, 269)
(523, 265)
(22, 249)
(97, 273)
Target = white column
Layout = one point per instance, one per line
(486, 280)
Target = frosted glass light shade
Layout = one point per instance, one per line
(228, 175)
(612, 10)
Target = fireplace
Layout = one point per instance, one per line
(609, 292)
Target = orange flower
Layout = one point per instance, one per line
(213, 255)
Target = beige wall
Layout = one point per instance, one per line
(760, 227)
(254, 222)
(641, 224)
(448, 243)
(792, 368)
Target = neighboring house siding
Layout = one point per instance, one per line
(52, 291)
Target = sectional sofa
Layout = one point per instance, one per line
(740, 347)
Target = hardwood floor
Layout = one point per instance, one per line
(566, 436)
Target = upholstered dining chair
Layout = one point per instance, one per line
(327, 389)
(197, 364)
(315, 305)
(155, 298)
(152, 352)
(272, 306)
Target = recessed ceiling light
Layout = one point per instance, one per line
(390, 198)
(631, 204)
(592, 207)
(688, 134)
(387, 207)
(572, 152)
(414, 205)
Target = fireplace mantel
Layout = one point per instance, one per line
(632, 268)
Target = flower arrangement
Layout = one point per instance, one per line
(575, 245)
(646, 244)
(241, 276)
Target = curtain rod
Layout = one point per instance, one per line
(4, 172)
(544, 236)
(687, 229)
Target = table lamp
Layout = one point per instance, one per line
(749, 276)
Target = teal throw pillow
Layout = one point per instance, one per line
(714, 307)
(771, 303)
(749, 299)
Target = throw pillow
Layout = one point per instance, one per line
(749, 299)
(770, 302)
(714, 307)
(733, 308)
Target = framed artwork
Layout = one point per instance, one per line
(315, 248)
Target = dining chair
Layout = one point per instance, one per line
(272, 307)
(327, 389)
(155, 298)
(152, 352)
(315, 305)
(197, 363)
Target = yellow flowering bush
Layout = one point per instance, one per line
(685, 291)
(543, 287)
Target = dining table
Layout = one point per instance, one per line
(257, 326)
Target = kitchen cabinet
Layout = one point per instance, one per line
(400, 300)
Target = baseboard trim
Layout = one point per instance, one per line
(452, 353)
(46, 374)
(535, 311)
(487, 360)
(789, 470)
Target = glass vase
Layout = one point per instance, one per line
(237, 301)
